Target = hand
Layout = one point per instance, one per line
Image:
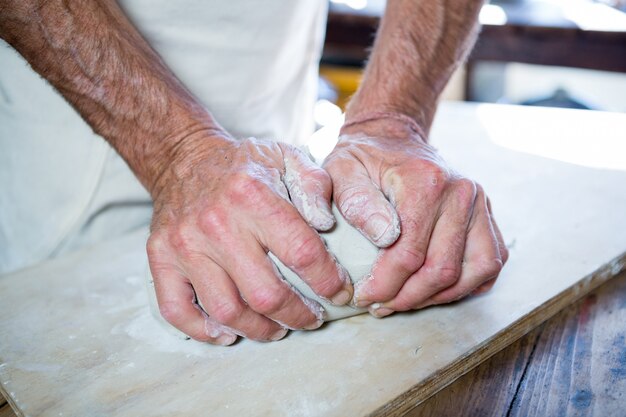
(219, 207)
(439, 237)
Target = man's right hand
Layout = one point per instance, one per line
(219, 206)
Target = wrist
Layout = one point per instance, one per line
(384, 124)
(420, 107)
(363, 118)
(177, 155)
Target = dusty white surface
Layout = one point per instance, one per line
(76, 336)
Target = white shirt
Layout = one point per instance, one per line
(252, 63)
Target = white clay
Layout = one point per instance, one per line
(352, 250)
(355, 252)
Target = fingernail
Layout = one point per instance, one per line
(376, 226)
(226, 339)
(345, 295)
(342, 298)
(363, 303)
(383, 230)
(378, 311)
(279, 335)
(315, 325)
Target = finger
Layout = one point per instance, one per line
(266, 292)
(220, 298)
(177, 305)
(400, 261)
(176, 298)
(361, 202)
(309, 187)
(483, 288)
(444, 258)
(483, 262)
(504, 251)
(302, 250)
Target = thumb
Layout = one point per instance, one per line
(361, 202)
(310, 188)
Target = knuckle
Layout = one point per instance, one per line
(465, 192)
(304, 253)
(213, 221)
(183, 240)
(410, 260)
(244, 188)
(155, 246)
(448, 276)
(488, 267)
(226, 312)
(172, 312)
(440, 277)
(268, 301)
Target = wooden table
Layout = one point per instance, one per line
(77, 338)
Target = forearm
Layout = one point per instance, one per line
(91, 53)
(418, 46)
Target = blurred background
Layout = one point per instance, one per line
(556, 53)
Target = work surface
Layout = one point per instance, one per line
(76, 336)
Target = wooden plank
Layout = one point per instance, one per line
(102, 354)
(6, 410)
(588, 375)
(575, 364)
(5, 407)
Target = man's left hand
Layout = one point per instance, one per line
(439, 239)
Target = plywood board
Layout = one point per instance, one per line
(76, 336)
(572, 365)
